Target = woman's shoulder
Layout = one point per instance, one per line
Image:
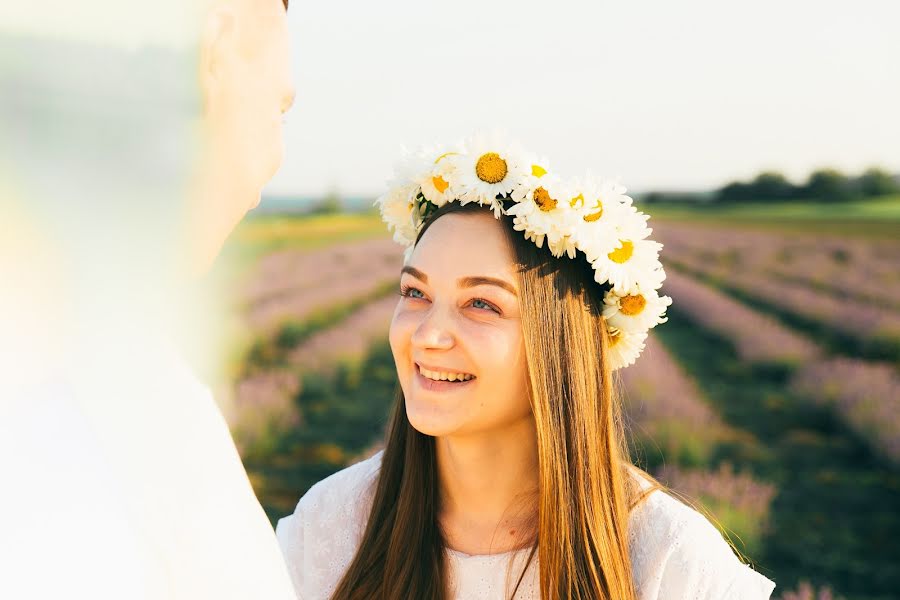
(349, 483)
(320, 538)
(677, 552)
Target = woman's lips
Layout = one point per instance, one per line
(440, 386)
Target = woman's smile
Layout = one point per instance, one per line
(442, 381)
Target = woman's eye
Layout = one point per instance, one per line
(479, 303)
(410, 292)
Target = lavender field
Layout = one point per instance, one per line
(769, 400)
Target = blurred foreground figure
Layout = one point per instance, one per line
(133, 137)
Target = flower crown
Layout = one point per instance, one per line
(589, 214)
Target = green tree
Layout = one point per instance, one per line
(330, 204)
(736, 191)
(828, 185)
(877, 182)
(771, 185)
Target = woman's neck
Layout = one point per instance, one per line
(489, 484)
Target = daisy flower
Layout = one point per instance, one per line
(601, 211)
(436, 177)
(633, 264)
(634, 313)
(545, 211)
(489, 167)
(398, 210)
(535, 168)
(409, 168)
(624, 348)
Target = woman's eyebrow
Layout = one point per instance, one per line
(464, 282)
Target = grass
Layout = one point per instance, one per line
(257, 236)
(873, 218)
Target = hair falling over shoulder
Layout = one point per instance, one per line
(586, 490)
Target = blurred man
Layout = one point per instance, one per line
(134, 138)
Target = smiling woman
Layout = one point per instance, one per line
(505, 472)
(463, 318)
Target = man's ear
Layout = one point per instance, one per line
(217, 49)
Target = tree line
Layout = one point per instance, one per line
(825, 185)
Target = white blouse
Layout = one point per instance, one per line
(676, 553)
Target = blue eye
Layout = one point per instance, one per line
(407, 291)
(486, 304)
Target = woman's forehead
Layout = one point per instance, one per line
(458, 245)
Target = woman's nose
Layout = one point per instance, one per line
(435, 330)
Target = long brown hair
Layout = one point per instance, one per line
(585, 489)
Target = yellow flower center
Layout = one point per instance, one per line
(543, 200)
(490, 168)
(632, 305)
(615, 337)
(538, 171)
(597, 214)
(621, 255)
(439, 184)
(577, 201)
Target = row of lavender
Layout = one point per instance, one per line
(667, 413)
(845, 289)
(292, 287)
(863, 393)
(860, 269)
(858, 390)
(665, 409)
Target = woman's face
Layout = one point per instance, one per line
(459, 316)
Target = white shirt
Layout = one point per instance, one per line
(124, 482)
(676, 553)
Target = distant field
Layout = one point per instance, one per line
(264, 234)
(876, 218)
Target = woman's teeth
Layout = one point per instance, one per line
(443, 376)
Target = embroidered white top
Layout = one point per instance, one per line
(676, 553)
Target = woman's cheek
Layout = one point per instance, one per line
(400, 332)
(405, 322)
(497, 341)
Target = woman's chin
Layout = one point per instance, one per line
(428, 420)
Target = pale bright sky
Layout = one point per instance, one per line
(664, 95)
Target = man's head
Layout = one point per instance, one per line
(161, 123)
(246, 87)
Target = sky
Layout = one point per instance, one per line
(662, 95)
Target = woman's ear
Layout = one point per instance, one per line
(217, 51)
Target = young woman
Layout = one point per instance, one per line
(505, 472)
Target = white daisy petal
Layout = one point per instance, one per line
(489, 167)
(637, 312)
(625, 347)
